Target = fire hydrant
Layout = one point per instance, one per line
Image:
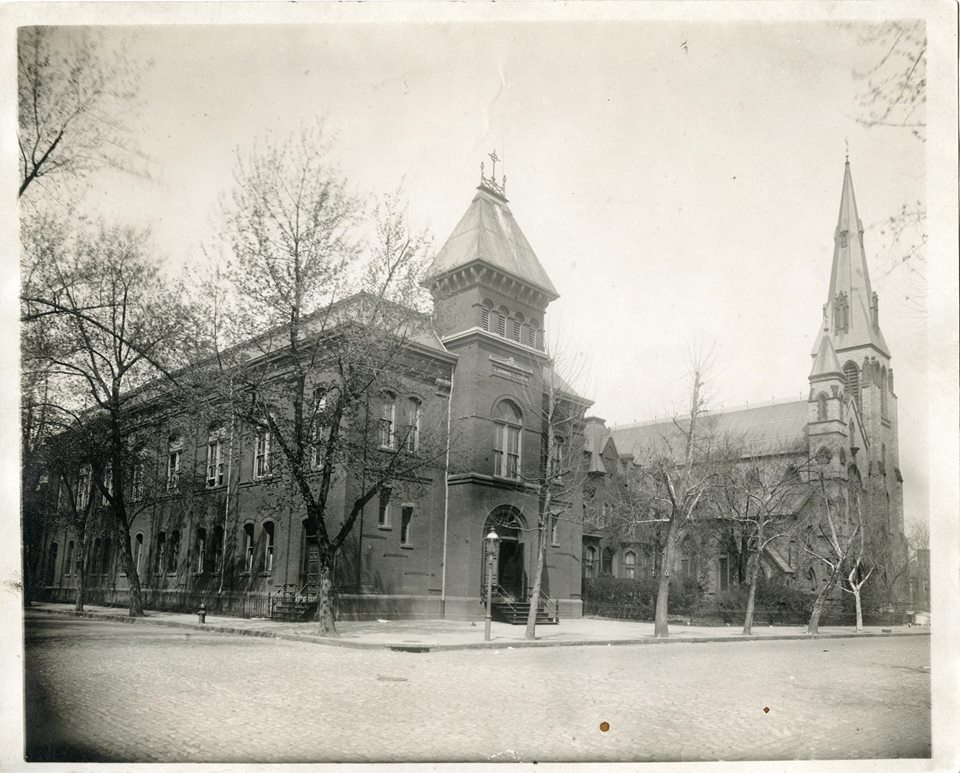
(202, 614)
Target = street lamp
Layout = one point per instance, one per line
(491, 538)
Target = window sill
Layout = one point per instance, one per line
(384, 527)
(265, 574)
(406, 547)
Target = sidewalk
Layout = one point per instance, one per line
(432, 635)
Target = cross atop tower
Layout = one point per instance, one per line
(490, 183)
(846, 150)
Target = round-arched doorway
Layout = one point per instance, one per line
(509, 574)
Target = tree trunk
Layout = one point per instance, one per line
(531, 632)
(751, 597)
(118, 506)
(78, 599)
(660, 629)
(813, 625)
(130, 568)
(859, 606)
(325, 618)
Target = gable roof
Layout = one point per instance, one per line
(489, 233)
(766, 430)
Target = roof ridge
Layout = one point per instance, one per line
(744, 407)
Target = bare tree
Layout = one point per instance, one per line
(75, 95)
(762, 497)
(827, 536)
(560, 412)
(678, 481)
(116, 324)
(895, 84)
(320, 384)
(894, 95)
(859, 573)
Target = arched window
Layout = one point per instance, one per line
(268, 542)
(68, 560)
(824, 456)
(812, 579)
(96, 556)
(606, 562)
(138, 551)
(217, 548)
(261, 454)
(412, 427)
(515, 324)
(554, 530)
(557, 458)
(173, 552)
(507, 448)
(883, 391)
(105, 562)
(532, 333)
(630, 564)
(52, 563)
(215, 457)
(485, 308)
(201, 550)
(248, 547)
(851, 381)
(388, 420)
(160, 554)
(174, 461)
(589, 561)
(502, 314)
(137, 486)
(821, 407)
(83, 486)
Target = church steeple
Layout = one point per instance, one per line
(851, 314)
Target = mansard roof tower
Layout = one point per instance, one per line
(488, 259)
(490, 295)
(853, 411)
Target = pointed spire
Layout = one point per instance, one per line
(826, 362)
(850, 317)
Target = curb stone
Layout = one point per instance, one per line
(423, 647)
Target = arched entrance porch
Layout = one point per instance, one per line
(509, 573)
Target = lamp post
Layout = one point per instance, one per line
(491, 538)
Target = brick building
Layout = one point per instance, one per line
(480, 377)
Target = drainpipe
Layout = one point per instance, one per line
(226, 509)
(446, 501)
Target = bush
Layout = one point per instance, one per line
(775, 602)
(637, 599)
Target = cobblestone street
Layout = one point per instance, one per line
(108, 691)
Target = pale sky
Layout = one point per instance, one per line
(680, 182)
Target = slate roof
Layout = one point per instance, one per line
(595, 439)
(849, 274)
(765, 430)
(826, 362)
(488, 232)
